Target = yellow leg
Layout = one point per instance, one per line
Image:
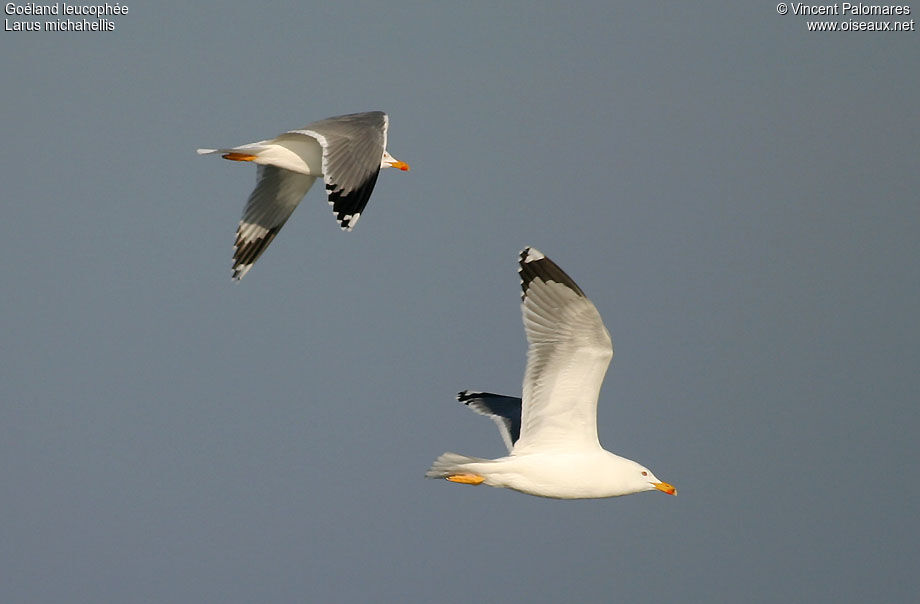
(466, 478)
(238, 156)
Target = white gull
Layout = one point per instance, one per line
(552, 433)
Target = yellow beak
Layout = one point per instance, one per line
(401, 165)
(665, 488)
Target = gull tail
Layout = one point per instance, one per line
(248, 148)
(451, 464)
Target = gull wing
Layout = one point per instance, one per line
(277, 193)
(569, 350)
(505, 411)
(353, 147)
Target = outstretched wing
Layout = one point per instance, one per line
(567, 357)
(277, 193)
(353, 147)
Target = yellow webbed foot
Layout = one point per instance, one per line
(466, 478)
(238, 156)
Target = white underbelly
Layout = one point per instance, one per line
(298, 153)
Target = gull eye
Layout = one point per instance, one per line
(644, 473)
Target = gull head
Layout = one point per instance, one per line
(649, 482)
(622, 476)
(389, 161)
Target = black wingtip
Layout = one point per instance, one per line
(533, 265)
(464, 396)
(245, 253)
(348, 206)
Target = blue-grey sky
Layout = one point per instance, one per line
(737, 195)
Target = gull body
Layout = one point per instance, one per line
(587, 474)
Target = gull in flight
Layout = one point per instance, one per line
(348, 151)
(551, 434)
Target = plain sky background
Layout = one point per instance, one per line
(737, 195)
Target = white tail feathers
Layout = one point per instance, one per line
(449, 464)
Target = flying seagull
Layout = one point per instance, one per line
(552, 433)
(348, 151)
